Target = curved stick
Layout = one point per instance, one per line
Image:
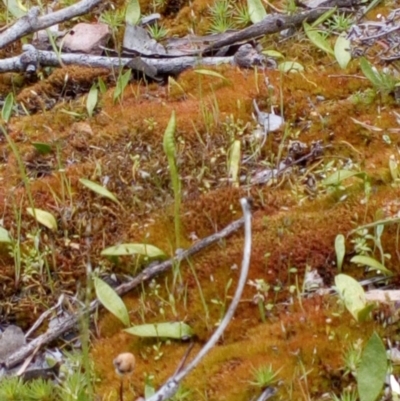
(171, 386)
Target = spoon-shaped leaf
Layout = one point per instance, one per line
(372, 263)
(352, 294)
(342, 51)
(92, 99)
(132, 14)
(372, 369)
(4, 235)
(317, 39)
(42, 148)
(134, 249)
(256, 10)
(98, 189)
(43, 217)
(177, 330)
(15, 7)
(111, 300)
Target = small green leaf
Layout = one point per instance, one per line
(372, 263)
(370, 73)
(317, 39)
(102, 86)
(43, 217)
(273, 53)
(338, 176)
(177, 330)
(149, 389)
(352, 294)
(111, 301)
(98, 189)
(372, 369)
(132, 14)
(42, 148)
(122, 82)
(210, 73)
(92, 99)
(15, 7)
(364, 313)
(256, 10)
(4, 236)
(342, 51)
(134, 249)
(290, 66)
(394, 169)
(340, 249)
(7, 107)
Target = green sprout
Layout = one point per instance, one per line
(264, 376)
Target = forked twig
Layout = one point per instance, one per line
(172, 384)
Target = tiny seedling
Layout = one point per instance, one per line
(221, 16)
(241, 15)
(264, 376)
(384, 82)
(340, 22)
(114, 19)
(157, 32)
(351, 358)
(122, 82)
(346, 395)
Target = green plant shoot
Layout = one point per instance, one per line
(122, 82)
(340, 249)
(169, 149)
(92, 99)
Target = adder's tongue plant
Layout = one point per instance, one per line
(170, 151)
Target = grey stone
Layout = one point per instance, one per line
(11, 340)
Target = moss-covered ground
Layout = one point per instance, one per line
(296, 217)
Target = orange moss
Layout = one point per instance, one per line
(121, 148)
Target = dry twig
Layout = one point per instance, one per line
(71, 321)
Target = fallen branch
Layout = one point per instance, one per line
(277, 22)
(164, 66)
(32, 22)
(172, 384)
(168, 65)
(270, 24)
(71, 321)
